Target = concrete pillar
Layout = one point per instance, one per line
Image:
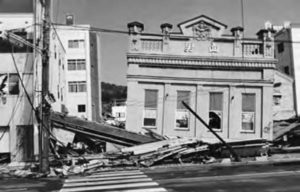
(202, 109)
(267, 113)
(135, 106)
(167, 110)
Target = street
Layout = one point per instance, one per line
(269, 178)
(236, 178)
(29, 185)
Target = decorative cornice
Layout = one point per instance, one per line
(200, 62)
(207, 81)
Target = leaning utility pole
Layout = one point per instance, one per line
(44, 135)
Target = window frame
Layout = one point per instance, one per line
(280, 47)
(79, 107)
(9, 84)
(179, 109)
(76, 86)
(147, 108)
(217, 111)
(76, 43)
(76, 64)
(253, 113)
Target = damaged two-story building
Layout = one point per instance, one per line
(226, 79)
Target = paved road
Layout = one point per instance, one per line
(30, 185)
(259, 178)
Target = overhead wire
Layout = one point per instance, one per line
(172, 35)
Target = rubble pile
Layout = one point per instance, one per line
(163, 152)
(286, 137)
(169, 151)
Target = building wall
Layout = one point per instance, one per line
(15, 110)
(285, 62)
(200, 89)
(288, 57)
(16, 21)
(16, 125)
(200, 64)
(57, 68)
(295, 37)
(283, 97)
(89, 51)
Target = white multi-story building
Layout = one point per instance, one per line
(82, 70)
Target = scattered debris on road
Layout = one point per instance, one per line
(82, 149)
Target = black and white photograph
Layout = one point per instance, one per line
(149, 95)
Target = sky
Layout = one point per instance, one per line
(115, 14)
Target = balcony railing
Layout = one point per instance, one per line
(253, 49)
(151, 45)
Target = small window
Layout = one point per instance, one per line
(182, 114)
(287, 70)
(9, 83)
(276, 99)
(215, 110)
(13, 84)
(81, 64)
(280, 47)
(71, 64)
(150, 107)
(248, 112)
(76, 64)
(77, 86)
(75, 44)
(82, 86)
(81, 108)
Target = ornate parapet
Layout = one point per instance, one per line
(135, 29)
(201, 36)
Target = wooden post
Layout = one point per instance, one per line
(45, 123)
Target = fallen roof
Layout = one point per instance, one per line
(97, 130)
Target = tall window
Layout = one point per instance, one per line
(75, 44)
(76, 64)
(150, 107)
(215, 110)
(248, 112)
(182, 114)
(9, 84)
(77, 86)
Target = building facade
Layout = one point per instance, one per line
(16, 124)
(287, 51)
(225, 78)
(82, 75)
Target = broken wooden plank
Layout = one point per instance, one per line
(280, 131)
(154, 146)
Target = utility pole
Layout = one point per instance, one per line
(230, 149)
(44, 129)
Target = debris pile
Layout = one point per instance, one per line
(286, 137)
(169, 151)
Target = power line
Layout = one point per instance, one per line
(172, 35)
